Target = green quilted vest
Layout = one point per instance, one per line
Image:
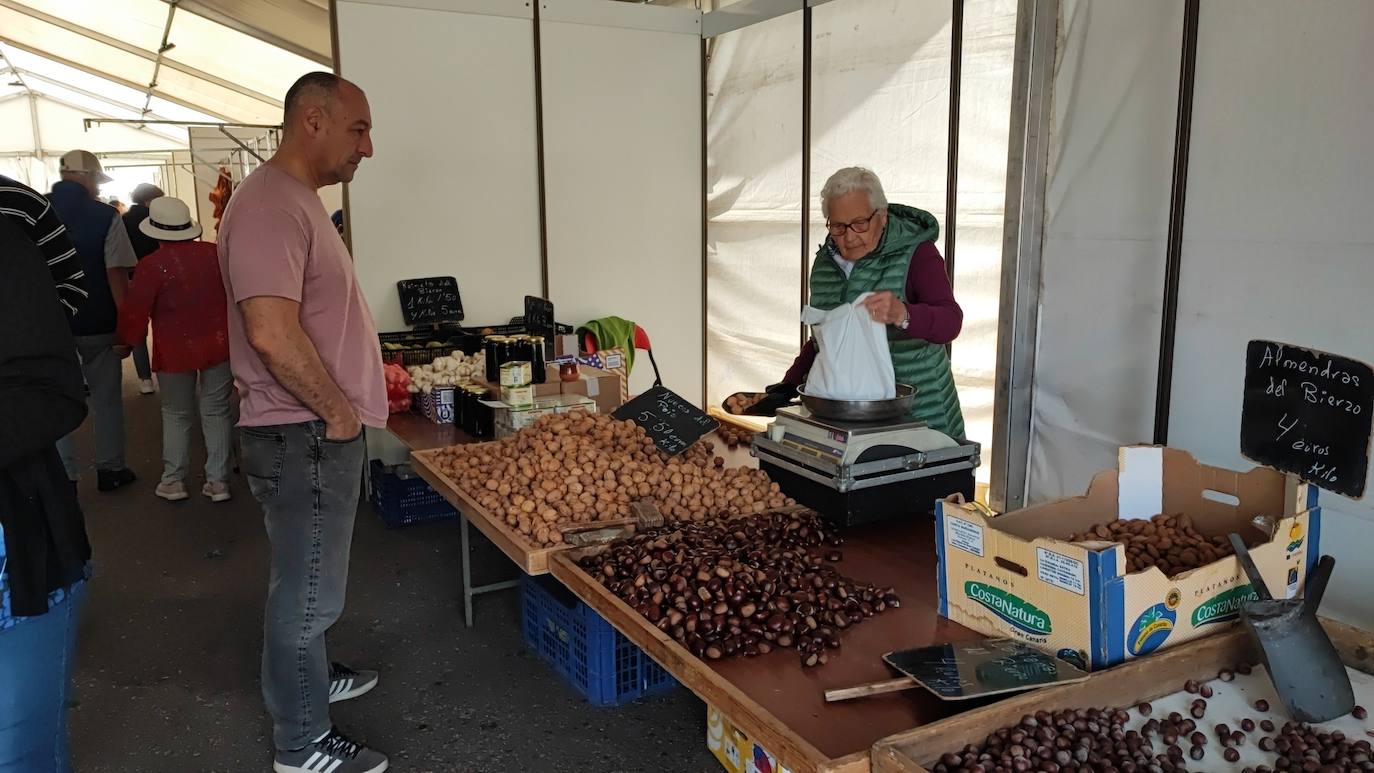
(921, 364)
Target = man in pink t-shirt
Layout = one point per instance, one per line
(305, 356)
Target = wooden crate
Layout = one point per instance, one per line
(532, 560)
(1129, 684)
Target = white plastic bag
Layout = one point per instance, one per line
(853, 361)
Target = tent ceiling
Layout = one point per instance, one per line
(298, 26)
(227, 60)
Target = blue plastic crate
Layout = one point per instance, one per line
(404, 501)
(604, 666)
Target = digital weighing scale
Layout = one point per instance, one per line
(858, 472)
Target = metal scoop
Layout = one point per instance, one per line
(1306, 670)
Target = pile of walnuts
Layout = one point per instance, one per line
(577, 468)
(1169, 542)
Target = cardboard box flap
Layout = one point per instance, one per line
(1063, 517)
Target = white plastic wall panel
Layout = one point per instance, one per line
(754, 245)
(622, 144)
(453, 187)
(1106, 225)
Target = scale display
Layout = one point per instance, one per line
(982, 667)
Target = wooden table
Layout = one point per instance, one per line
(1146, 679)
(780, 705)
(420, 434)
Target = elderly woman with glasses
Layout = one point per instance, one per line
(889, 250)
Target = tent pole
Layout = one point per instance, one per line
(1183, 130)
(806, 164)
(956, 64)
(704, 192)
(539, 156)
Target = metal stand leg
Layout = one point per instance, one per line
(470, 590)
(467, 573)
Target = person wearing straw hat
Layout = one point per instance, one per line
(179, 288)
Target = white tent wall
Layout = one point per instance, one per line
(1106, 223)
(1278, 242)
(622, 157)
(1276, 239)
(622, 83)
(453, 188)
(753, 264)
(17, 118)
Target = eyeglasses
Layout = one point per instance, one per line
(860, 226)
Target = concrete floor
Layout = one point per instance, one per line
(167, 677)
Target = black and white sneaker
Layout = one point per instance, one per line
(345, 683)
(333, 753)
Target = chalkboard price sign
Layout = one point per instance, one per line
(430, 300)
(673, 423)
(1308, 413)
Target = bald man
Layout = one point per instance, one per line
(304, 353)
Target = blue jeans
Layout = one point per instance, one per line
(35, 677)
(308, 487)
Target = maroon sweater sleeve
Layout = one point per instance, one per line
(802, 365)
(935, 315)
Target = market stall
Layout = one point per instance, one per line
(1135, 580)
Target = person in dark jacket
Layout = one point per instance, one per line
(144, 245)
(44, 552)
(106, 255)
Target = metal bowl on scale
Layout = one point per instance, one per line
(860, 410)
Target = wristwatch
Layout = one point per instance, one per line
(906, 322)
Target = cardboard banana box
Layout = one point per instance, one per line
(1017, 575)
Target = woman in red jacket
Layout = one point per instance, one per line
(179, 288)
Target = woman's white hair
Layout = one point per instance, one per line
(848, 180)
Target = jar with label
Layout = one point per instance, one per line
(515, 373)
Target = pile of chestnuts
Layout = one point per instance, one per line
(742, 586)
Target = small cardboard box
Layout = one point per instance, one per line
(734, 750)
(1017, 575)
(569, 403)
(602, 386)
(517, 396)
(511, 419)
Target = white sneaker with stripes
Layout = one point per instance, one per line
(333, 753)
(345, 682)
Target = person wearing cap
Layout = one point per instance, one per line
(144, 245)
(179, 288)
(106, 255)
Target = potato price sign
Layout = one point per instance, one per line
(673, 423)
(1308, 413)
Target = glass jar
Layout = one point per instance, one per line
(491, 345)
(484, 418)
(537, 359)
